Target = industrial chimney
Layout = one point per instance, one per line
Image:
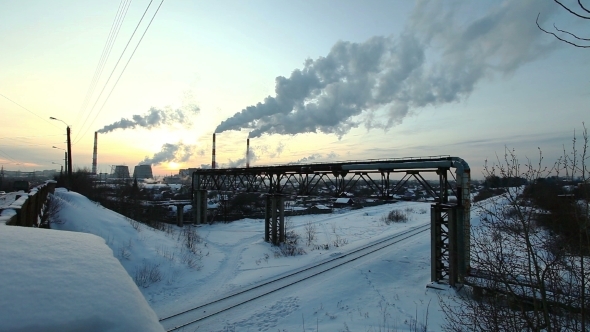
(248, 153)
(213, 156)
(94, 154)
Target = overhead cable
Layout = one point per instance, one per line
(111, 75)
(121, 74)
(28, 110)
(106, 51)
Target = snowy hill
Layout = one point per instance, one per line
(387, 292)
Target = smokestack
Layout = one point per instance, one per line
(94, 153)
(213, 156)
(248, 153)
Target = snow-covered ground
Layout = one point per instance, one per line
(387, 292)
(65, 281)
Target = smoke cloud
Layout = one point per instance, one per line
(242, 161)
(385, 78)
(279, 149)
(179, 152)
(316, 157)
(154, 118)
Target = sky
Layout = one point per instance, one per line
(307, 82)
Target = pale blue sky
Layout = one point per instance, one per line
(497, 80)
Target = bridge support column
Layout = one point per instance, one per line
(180, 215)
(200, 207)
(274, 221)
(445, 231)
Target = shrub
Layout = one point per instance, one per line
(290, 246)
(147, 274)
(395, 216)
(310, 232)
(190, 238)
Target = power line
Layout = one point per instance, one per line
(26, 109)
(117, 81)
(9, 157)
(26, 137)
(112, 72)
(115, 28)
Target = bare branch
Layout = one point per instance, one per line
(573, 12)
(557, 37)
(582, 6)
(569, 33)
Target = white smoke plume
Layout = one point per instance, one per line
(278, 150)
(386, 78)
(316, 157)
(242, 161)
(179, 152)
(154, 118)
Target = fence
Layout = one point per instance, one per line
(27, 209)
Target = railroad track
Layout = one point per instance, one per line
(204, 311)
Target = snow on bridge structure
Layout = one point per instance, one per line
(450, 221)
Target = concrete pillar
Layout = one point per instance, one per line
(281, 218)
(179, 215)
(200, 206)
(274, 221)
(267, 218)
(274, 232)
(452, 229)
(434, 243)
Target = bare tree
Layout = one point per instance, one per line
(528, 262)
(579, 11)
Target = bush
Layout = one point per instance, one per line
(190, 238)
(54, 205)
(290, 247)
(395, 216)
(147, 275)
(310, 232)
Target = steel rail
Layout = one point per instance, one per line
(352, 256)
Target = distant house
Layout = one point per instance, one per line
(319, 208)
(343, 202)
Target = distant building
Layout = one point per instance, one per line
(143, 172)
(343, 202)
(173, 179)
(186, 172)
(120, 172)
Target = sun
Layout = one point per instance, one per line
(173, 166)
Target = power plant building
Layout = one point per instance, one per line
(143, 172)
(120, 172)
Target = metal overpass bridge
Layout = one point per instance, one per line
(450, 221)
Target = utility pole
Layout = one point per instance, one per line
(69, 157)
(68, 152)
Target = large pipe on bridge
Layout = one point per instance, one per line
(399, 165)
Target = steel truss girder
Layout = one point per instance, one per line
(450, 222)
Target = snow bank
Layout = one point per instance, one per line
(65, 281)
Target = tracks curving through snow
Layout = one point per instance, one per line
(232, 300)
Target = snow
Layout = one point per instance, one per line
(386, 292)
(65, 281)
